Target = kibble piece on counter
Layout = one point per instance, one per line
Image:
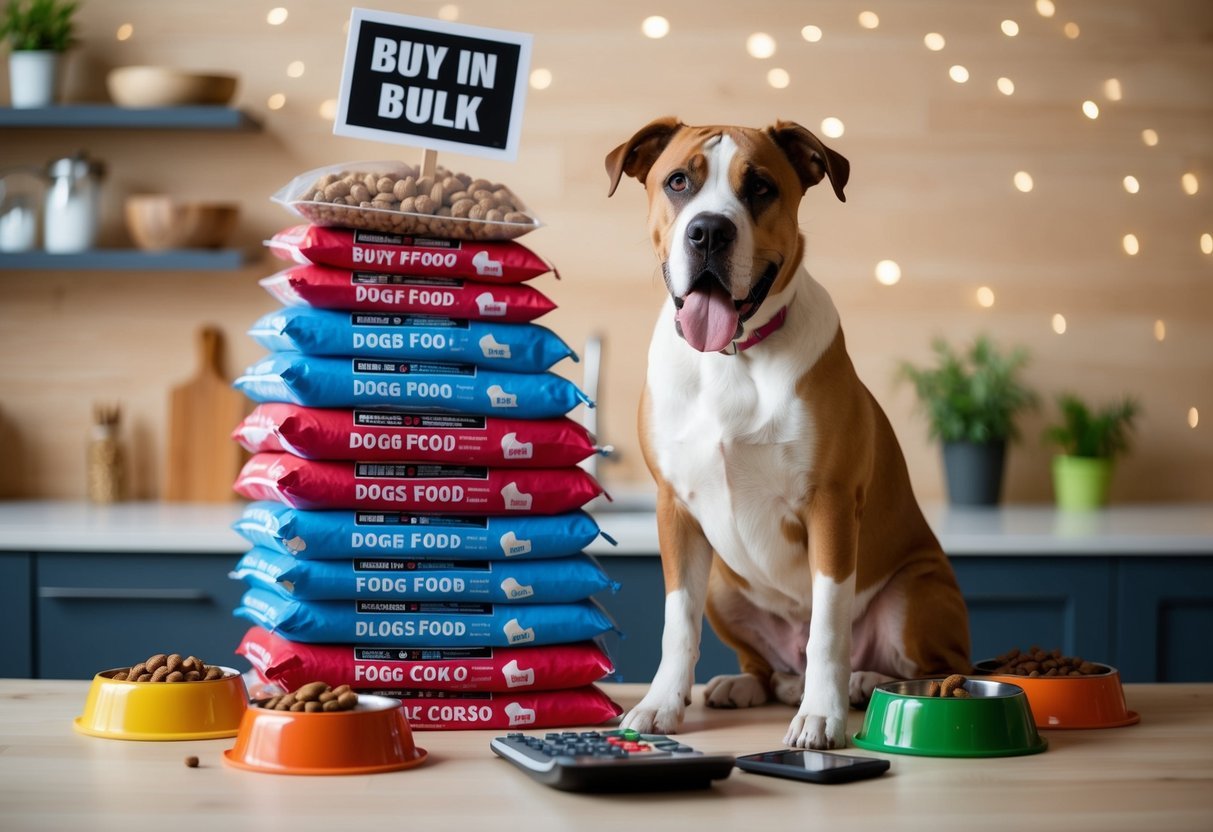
(170, 667)
(191, 762)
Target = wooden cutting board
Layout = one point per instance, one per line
(203, 460)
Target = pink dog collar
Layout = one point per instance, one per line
(759, 334)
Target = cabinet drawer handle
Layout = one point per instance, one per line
(87, 593)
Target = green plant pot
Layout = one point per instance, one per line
(1081, 483)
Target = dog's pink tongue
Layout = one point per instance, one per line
(708, 318)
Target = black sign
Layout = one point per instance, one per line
(432, 84)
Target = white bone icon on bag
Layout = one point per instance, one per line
(516, 677)
(519, 715)
(499, 398)
(489, 306)
(515, 634)
(513, 449)
(516, 500)
(491, 349)
(511, 545)
(486, 267)
(514, 590)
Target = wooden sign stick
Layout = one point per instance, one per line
(429, 161)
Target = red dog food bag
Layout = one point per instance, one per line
(408, 486)
(290, 664)
(347, 248)
(441, 710)
(323, 287)
(383, 435)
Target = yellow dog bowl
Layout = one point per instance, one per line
(163, 710)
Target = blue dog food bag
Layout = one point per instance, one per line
(516, 348)
(376, 382)
(334, 535)
(422, 623)
(558, 580)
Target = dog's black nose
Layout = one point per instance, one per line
(711, 233)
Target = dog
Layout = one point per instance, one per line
(784, 507)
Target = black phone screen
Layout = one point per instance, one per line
(809, 760)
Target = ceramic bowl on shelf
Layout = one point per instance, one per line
(157, 222)
(162, 86)
(124, 710)
(1092, 701)
(994, 721)
(373, 737)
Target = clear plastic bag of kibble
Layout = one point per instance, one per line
(393, 198)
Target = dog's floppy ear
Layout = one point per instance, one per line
(635, 156)
(811, 159)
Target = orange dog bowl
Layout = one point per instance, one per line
(123, 710)
(374, 737)
(1096, 701)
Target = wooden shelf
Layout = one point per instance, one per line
(117, 259)
(109, 116)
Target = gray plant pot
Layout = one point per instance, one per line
(974, 472)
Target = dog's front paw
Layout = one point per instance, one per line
(656, 716)
(814, 731)
(744, 690)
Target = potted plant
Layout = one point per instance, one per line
(971, 401)
(38, 33)
(1090, 440)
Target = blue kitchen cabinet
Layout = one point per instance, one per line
(16, 616)
(98, 612)
(1165, 626)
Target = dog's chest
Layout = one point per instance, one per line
(736, 444)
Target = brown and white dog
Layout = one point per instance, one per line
(783, 502)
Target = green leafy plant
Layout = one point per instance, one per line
(1087, 432)
(39, 25)
(972, 396)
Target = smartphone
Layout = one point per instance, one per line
(814, 766)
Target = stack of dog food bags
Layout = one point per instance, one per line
(417, 524)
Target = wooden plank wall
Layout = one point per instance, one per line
(933, 163)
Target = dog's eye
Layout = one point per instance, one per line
(677, 182)
(760, 187)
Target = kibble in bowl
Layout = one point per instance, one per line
(1064, 691)
(396, 198)
(118, 708)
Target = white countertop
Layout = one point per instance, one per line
(1161, 529)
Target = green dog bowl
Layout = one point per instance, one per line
(996, 721)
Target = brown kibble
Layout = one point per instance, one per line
(1088, 669)
(191, 762)
(298, 706)
(405, 188)
(156, 661)
(476, 212)
(173, 662)
(950, 684)
(312, 707)
(327, 696)
(518, 217)
(269, 704)
(160, 674)
(146, 677)
(1034, 673)
(347, 700)
(438, 194)
(331, 705)
(961, 693)
(120, 676)
(137, 671)
(494, 215)
(424, 205)
(408, 205)
(310, 692)
(933, 688)
(342, 689)
(461, 208)
(175, 676)
(361, 193)
(336, 189)
(213, 673)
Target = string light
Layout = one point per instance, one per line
(934, 41)
(655, 27)
(1130, 244)
(778, 78)
(295, 69)
(869, 20)
(125, 31)
(1160, 331)
(1059, 324)
(888, 272)
(985, 296)
(1190, 185)
(832, 127)
(276, 101)
(760, 45)
(1149, 137)
(1090, 109)
(1131, 184)
(811, 33)
(277, 16)
(541, 78)
(1193, 417)
(1023, 181)
(328, 109)
(1045, 8)
(448, 12)
(1010, 28)
(1206, 243)
(1006, 86)
(1111, 89)
(958, 74)
(1071, 30)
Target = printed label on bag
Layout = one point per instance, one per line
(404, 471)
(395, 518)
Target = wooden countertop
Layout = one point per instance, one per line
(1157, 775)
(1139, 530)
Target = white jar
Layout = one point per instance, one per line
(72, 202)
